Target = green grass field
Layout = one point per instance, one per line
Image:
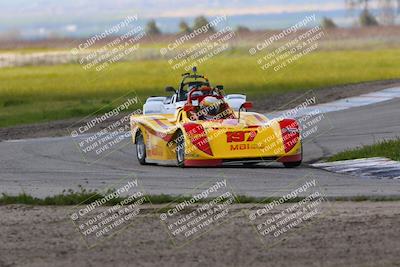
(389, 149)
(43, 93)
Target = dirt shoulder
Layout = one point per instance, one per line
(346, 234)
(272, 103)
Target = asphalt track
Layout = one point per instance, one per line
(46, 166)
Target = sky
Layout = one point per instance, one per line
(35, 18)
(162, 8)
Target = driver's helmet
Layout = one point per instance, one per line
(210, 106)
(192, 87)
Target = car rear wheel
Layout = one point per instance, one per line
(180, 149)
(140, 148)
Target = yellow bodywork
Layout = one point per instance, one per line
(252, 136)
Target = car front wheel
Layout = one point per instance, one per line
(140, 148)
(180, 149)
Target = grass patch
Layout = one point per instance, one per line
(366, 198)
(388, 149)
(45, 93)
(13, 102)
(70, 197)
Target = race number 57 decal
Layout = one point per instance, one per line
(241, 136)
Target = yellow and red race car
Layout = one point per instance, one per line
(204, 130)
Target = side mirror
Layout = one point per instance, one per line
(247, 105)
(188, 108)
(220, 87)
(170, 89)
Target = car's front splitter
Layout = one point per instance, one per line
(203, 162)
(219, 162)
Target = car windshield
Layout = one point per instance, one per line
(187, 87)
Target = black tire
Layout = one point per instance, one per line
(180, 149)
(140, 148)
(294, 164)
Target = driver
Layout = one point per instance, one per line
(183, 94)
(210, 107)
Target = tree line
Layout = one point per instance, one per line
(184, 27)
(387, 11)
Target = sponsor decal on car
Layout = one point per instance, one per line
(246, 146)
(240, 136)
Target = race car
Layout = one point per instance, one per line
(198, 127)
(170, 104)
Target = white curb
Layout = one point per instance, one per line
(346, 103)
(365, 167)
